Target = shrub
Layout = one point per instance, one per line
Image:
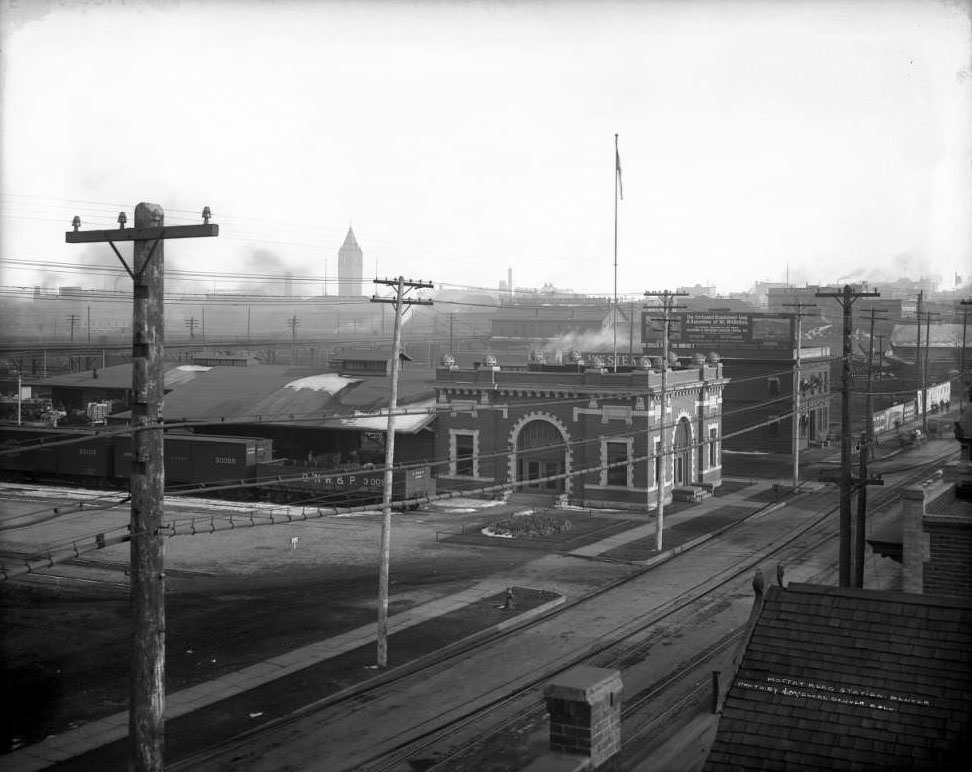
(532, 525)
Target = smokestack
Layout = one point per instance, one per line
(509, 281)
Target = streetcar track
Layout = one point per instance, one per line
(427, 738)
(399, 755)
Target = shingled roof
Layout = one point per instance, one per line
(836, 678)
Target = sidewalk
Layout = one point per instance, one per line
(112, 728)
(744, 498)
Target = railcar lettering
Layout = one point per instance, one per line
(224, 460)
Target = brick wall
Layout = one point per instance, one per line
(948, 570)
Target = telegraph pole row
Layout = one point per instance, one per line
(400, 302)
(667, 298)
(796, 386)
(846, 299)
(147, 685)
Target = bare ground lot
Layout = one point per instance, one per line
(237, 597)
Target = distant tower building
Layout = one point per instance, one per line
(350, 266)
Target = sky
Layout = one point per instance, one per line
(814, 142)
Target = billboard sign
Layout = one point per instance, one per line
(718, 329)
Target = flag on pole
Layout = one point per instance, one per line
(617, 166)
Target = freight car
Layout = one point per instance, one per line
(201, 460)
(245, 464)
(102, 460)
(349, 487)
(51, 454)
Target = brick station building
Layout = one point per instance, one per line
(586, 435)
(758, 351)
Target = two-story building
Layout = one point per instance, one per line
(588, 435)
(759, 354)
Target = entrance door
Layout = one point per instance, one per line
(682, 453)
(541, 454)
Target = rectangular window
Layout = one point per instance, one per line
(617, 460)
(773, 386)
(465, 447)
(713, 447)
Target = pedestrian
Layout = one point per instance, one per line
(509, 598)
(293, 543)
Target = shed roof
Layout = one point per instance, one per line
(120, 377)
(835, 678)
(283, 395)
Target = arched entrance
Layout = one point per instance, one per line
(540, 452)
(682, 453)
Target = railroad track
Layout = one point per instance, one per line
(441, 741)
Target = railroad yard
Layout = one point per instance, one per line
(248, 584)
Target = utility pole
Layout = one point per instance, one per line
(661, 460)
(798, 348)
(400, 302)
(924, 371)
(963, 383)
(865, 454)
(191, 324)
(147, 687)
(618, 193)
(89, 324)
(73, 319)
(918, 365)
(846, 299)
(293, 323)
(868, 394)
(452, 345)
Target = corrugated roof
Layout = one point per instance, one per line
(372, 394)
(410, 420)
(120, 377)
(268, 393)
(835, 678)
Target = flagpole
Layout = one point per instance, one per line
(617, 178)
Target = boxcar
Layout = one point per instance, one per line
(90, 460)
(296, 482)
(36, 460)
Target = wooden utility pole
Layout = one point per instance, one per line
(399, 301)
(191, 324)
(867, 441)
(924, 371)
(868, 394)
(918, 358)
(73, 319)
(293, 323)
(963, 382)
(798, 348)
(661, 459)
(846, 298)
(147, 686)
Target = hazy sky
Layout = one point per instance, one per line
(460, 140)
